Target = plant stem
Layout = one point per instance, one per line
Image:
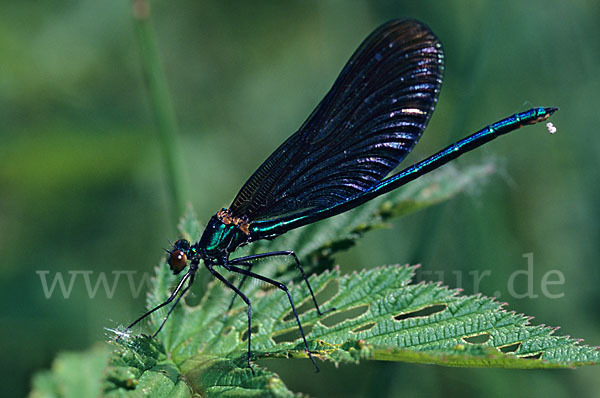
(161, 106)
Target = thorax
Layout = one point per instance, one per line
(223, 234)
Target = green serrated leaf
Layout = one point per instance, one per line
(379, 314)
(139, 367)
(388, 318)
(220, 377)
(73, 374)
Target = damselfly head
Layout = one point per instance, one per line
(178, 256)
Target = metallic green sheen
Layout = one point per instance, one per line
(220, 239)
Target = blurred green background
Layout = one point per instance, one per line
(83, 186)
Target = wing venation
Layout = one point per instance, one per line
(368, 122)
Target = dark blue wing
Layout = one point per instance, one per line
(365, 126)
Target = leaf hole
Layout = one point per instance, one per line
(364, 328)
(228, 330)
(423, 312)
(510, 348)
(292, 335)
(340, 316)
(254, 330)
(533, 356)
(477, 339)
(324, 295)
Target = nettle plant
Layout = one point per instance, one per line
(380, 315)
(379, 105)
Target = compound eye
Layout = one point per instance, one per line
(177, 261)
